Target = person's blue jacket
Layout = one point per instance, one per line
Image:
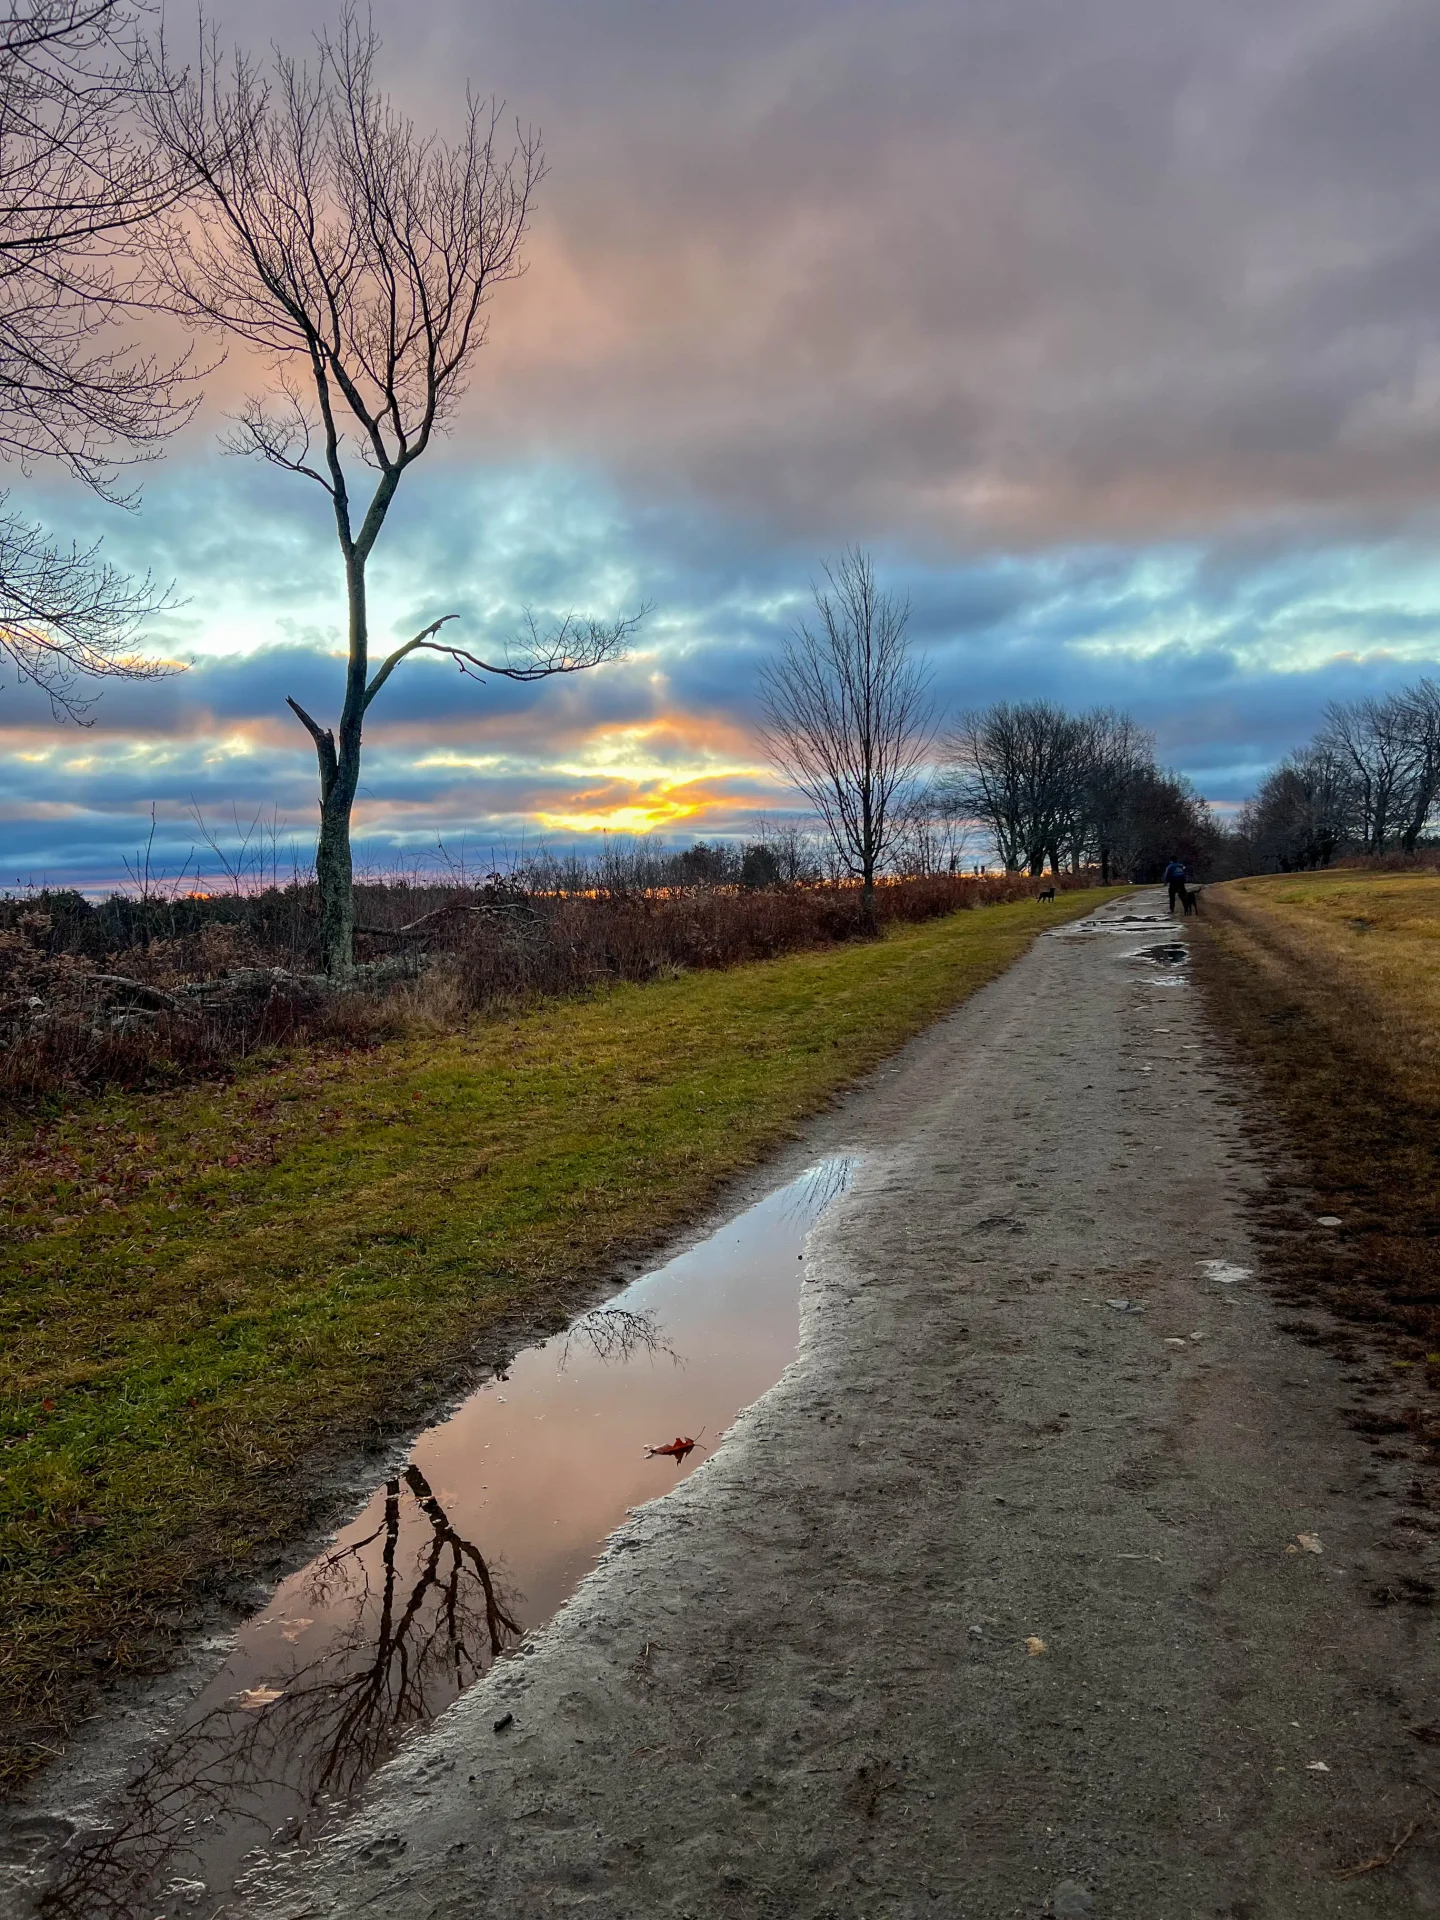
(1174, 873)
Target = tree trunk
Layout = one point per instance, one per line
(339, 778)
(867, 847)
(334, 875)
(867, 893)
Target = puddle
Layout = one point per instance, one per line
(486, 1530)
(1169, 953)
(1120, 923)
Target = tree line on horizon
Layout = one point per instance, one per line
(850, 721)
(849, 718)
(1368, 782)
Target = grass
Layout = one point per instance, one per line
(1361, 952)
(1330, 983)
(204, 1294)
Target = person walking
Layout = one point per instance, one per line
(1175, 877)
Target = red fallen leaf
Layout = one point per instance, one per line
(677, 1449)
(48, 1405)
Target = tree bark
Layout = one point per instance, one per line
(334, 870)
(339, 778)
(334, 864)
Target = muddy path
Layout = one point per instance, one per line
(1004, 1601)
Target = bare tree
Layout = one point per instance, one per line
(1373, 737)
(1303, 812)
(848, 716)
(1050, 785)
(1420, 706)
(358, 255)
(931, 837)
(1018, 769)
(1369, 781)
(76, 181)
(783, 853)
(1115, 755)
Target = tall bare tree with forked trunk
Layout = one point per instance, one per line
(358, 254)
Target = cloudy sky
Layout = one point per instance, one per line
(1112, 327)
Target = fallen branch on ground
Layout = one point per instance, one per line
(1380, 1860)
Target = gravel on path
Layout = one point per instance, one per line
(998, 1603)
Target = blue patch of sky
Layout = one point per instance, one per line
(1228, 649)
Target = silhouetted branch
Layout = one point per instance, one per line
(76, 180)
(67, 615)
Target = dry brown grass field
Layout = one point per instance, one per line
(1329, 984)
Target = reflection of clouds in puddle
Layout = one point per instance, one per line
(403, 1613)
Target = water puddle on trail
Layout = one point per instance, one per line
(491, 1524)
(1169, 953)
(1113, 922)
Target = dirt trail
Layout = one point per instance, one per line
(800, 1686)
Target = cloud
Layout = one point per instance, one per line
(1229, 650)
(979, 273)
(1113, 270)
(1111, 327)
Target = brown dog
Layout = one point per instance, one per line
(1190, 897)
(1046, 893)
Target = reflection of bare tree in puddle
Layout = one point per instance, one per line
(814, 1190)
(283, 1755)
(615, 1335)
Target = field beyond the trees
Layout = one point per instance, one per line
(204, 1292)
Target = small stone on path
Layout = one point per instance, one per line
(1070, 1901)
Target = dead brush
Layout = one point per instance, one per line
(208, 994)
(559, 945)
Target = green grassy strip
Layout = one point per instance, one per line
(201, 1291)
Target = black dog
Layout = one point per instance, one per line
(1190, 897)
(1047, 893)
